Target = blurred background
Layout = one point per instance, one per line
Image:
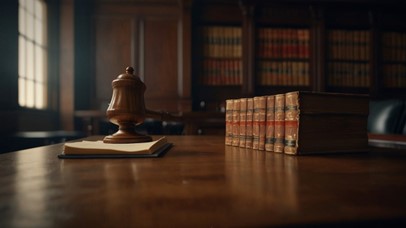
(58, 58)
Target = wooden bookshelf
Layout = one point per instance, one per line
(393, 50)
(344, 47)
(218, 62)
(348, 50)
(222, 51)
(282, 57)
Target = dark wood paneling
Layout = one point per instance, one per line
(148, 37)
(161, 73)
(114, 42)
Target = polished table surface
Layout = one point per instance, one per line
(202, 182)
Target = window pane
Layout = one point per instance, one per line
(30, 94)
(21, 92)
(22, 2)
(21, 20)
(30, 26)
(39, 95)
(30, 6)
(39, 64)
(30, 60)
(21, 56)
(39, 9)
(38, 32)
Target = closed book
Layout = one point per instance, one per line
(279, 123)
(243, 121)
(259, 118)
(249, 123)
(229, 122)
(325, 123)
(261, 122)
(99, 149)
(236, 122)
(255, 124)
(270, 123)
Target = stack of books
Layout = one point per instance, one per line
(299, 122)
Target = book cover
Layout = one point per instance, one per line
(270, 123)
(325, 123)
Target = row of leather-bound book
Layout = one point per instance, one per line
(298, 122)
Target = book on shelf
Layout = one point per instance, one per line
(284, 73)
(89, 149)
(349, 56)
(284, 43)
(394, 57)
(307, 123)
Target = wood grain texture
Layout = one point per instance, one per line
(202, 182)
(113, 48)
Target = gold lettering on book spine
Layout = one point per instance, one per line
(279, 123)
(229, 122)
(250, 116)
(270, 123)
(291, 122)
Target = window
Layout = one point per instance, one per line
(32, 56)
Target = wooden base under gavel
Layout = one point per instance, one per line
(126, 134)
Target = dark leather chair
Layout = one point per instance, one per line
(387, 116)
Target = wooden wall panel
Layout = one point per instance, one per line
(148, 37)
(113, 52)
(160, 59)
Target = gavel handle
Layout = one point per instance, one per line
(162, 115)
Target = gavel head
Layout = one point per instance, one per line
(127, 108)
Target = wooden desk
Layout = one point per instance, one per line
(201, 182)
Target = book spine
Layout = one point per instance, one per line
(291, 122)
(243, 121)
(229, 122)
(255, 124)
(236, 123)
(261, 122)
(249, 126)
(270, 123)
(279, 122)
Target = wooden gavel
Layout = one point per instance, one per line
(127, 109)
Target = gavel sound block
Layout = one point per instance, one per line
(127, 108)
